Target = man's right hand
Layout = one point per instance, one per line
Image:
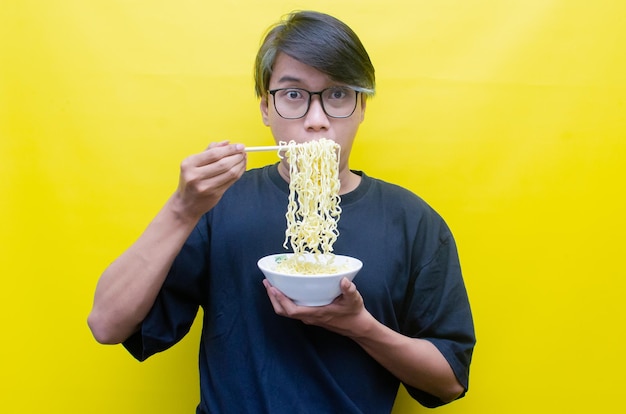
(204, 177)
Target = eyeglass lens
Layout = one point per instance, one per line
(293, 103)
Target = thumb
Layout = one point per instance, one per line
(347, 287)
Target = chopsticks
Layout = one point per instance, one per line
(266, 148)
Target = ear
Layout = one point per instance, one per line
(363, 105)
(264, 110)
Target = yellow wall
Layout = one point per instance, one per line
(508, 116)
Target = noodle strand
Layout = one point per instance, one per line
(313, 209)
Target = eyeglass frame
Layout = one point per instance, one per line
(311, 94)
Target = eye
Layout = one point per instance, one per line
(292, 94)
(337, 93)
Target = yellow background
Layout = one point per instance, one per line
(507, 116)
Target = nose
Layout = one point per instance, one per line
(316, 119)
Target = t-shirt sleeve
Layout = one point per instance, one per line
(176, 305)
(439, 311)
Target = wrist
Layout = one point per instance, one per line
(182, 212)
(365, 327)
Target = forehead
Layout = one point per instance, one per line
(288, 71)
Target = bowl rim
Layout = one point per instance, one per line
(262, 260)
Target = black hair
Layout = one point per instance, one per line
(320, 41)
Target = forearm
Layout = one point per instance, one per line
(128, 287)
(414, 361)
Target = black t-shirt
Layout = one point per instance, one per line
(252, 360)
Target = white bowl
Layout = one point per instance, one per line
(309, 290)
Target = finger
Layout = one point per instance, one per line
(218, 151)
(215, 151)
(214, 162)
(272, 294)
(224, 171)
(217, 144)
(283, 305)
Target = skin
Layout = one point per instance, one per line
(288, 72)
(129, 286)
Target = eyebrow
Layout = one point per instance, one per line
(289, 78)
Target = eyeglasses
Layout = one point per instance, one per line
(294, 103)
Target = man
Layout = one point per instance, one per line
(405, 318)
